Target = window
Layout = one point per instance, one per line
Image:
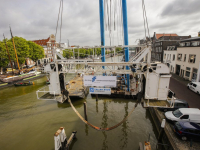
(185, 57)
(179, 57)
(165, 56)
(181, 104)
(173, 57)
(177, 113)
(187, 74)
(194, 85)
(185, 117)
(187, 68)
(192, 58)
(195, 70)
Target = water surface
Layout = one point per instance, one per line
(29, 123)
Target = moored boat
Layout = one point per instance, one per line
(24, 83)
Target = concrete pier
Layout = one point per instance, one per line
(170, 138)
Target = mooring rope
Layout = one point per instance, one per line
(98, 128)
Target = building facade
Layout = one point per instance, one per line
(188, 59)
(48, 45)
(169, 57)
(161, 42)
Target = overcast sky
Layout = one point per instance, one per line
(36, 19)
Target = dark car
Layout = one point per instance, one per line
(187, 130)
(177, 104)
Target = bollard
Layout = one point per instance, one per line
(57, 139)
(85, 111)
(161, 132)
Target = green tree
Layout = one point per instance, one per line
(22, 49)
(118, 49)
(35, 51)
(98, 51)
(4, 60)
(67, 53)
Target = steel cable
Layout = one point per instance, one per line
(99, 128)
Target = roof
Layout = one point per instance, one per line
(190, 110)
(177, 38)
(191, 39)
(41, 42)
(190, 125)
(180, 101)
(197, 83)
(158, 35)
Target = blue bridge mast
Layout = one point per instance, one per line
(125, 24)
(101, 12)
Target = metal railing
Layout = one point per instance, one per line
(44, 91)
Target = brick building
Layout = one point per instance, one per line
(162, 41)
(48, 45)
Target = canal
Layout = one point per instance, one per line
(29, 123)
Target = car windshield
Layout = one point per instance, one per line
(177, 113)
(178, 125)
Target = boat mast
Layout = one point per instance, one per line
(14, 48)
(8, 53)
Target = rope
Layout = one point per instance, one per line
(144, 18)
(58, 18)
(146, 21)
(98, 128)
(61, 21)
(146, 27)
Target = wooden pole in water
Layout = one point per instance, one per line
(85, 110)
(96, 97)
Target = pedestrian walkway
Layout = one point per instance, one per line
(180, 79)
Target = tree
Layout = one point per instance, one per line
(4, 60)
(118, 49)
(22, 49)
(67, 53)
(35, 51)
(25, 49)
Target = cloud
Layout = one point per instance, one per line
(181, 8)
(80, 24)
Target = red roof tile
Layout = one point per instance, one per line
(164, 34)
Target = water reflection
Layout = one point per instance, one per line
(86, 129)
(104, 124)
(97, 108)
(124, 138)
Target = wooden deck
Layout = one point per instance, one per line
(76, 88)
(156, 103)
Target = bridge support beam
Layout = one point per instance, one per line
(101, 12)
(125, 24)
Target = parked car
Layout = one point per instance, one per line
(178, 103)
(187, 130)
(194, 86)
(184, 114)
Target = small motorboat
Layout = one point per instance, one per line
(24, 83)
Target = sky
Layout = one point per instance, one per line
(37, 19)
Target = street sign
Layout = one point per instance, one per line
(100, 81)
(100, 91)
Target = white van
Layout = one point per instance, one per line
(184, 114)
(194, 86)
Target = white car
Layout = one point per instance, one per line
(184, 114)
(194, 86)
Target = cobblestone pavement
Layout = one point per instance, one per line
(179, 86)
